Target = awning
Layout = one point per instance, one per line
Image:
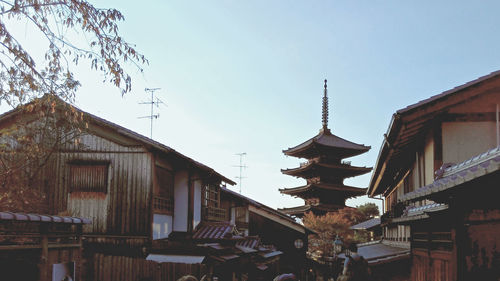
(270, 254)
(175, 258)
(245, 250)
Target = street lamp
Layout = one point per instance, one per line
(337, 245)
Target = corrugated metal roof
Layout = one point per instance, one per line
(9, 216)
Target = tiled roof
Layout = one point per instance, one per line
(269, 210)
(327, 139)
(9, 216)
(131, 134)
(215, 230)
(449, 92)
(466, 171)
(354, 191)
(380, 252)
(367, 224)
(313, 168)
(249, 242)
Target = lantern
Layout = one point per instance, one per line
(337, 245)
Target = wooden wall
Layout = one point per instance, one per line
(481, 247)
(125, 209)
(433, 265)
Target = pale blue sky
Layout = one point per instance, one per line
(247, 76)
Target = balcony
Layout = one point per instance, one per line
(242, 225)
(215, 214)
(163, 205)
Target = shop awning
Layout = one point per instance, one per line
(175, 258)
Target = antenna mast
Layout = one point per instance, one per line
(241, 166)
(154, 101)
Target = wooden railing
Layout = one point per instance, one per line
(163, 205)
(215, 214)
(242, 224)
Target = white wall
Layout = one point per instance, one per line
(429, 159)
(181, 201)
(162, 226)
(197, 203)
(463, 140)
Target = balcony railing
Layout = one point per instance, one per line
(215, 214)
(242, 224)
(163, 205)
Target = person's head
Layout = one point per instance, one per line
(353, 248)
(285, 277)
(187, 278)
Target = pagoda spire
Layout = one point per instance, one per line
(325, 109)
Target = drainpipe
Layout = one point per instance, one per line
(382, 199)
(498, 125)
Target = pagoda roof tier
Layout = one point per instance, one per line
(301, 191)
(299, 211)
(313, 169)
(326, 143)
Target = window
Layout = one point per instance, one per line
(164, 191)
(408, 183)
(212, 210)
(88, 177)
(211, 196)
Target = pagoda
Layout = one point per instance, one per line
(324, 171)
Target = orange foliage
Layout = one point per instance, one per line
(330, 225)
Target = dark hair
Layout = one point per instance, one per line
(353, 247)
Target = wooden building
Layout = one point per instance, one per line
(324, 171)
(133, 189)
(273, 228)
(438, 169)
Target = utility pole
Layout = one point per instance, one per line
(154, 101)
(241, 166)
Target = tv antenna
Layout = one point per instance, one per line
(241, 166)
(153, 102)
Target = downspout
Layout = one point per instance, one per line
(382, 199)
(498, 125)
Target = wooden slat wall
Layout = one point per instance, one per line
(436, 266)
(121, 268)
(126, 208)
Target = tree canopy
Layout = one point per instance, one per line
(369, 210)
(73, 30)
(330, 225)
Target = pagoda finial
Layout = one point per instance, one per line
(325, 109)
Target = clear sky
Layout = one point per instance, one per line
(247, 76)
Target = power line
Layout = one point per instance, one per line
(153, 102)
(241, 166)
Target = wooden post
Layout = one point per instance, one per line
(80, 261)
(190, 215)
(44, 258)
